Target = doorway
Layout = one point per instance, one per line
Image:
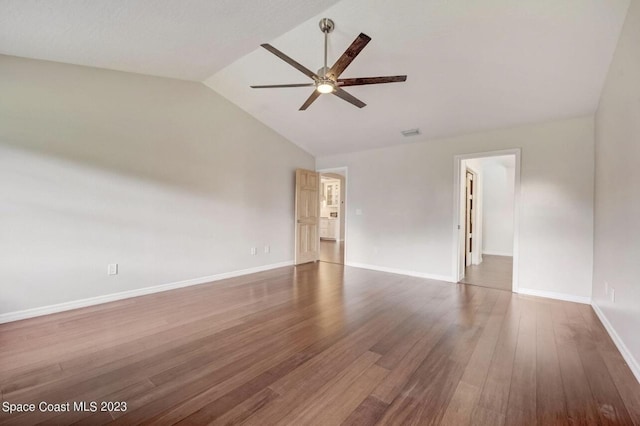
(332, 215)
(487, 187)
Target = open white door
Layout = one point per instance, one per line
(307, 216)
(469, 216)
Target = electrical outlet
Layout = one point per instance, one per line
(359, 212)
(267, 249)
(254, 251)
(613, 294)
(112, 269)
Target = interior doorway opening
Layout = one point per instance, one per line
(487, 194)
(332, 215)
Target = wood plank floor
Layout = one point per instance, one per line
(494, 272)
(322, 344)
(332, 251)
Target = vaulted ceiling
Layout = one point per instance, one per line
(184, 39)
(471, 65)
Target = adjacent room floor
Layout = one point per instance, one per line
(332, 251)
(322, 344)
(494, 272)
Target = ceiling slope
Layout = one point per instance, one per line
(184, 39)
(471, 66)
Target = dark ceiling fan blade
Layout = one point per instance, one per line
(270, 86)
(344, 82)
(310, 100)
(306, 71)
(349, 98)
(348, 56)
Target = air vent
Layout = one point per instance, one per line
(410, 132)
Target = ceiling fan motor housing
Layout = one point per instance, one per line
(322, 72)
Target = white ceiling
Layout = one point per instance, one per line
(185, 39)
(470, 65)
(507, 161)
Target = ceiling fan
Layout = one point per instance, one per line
(327, 80)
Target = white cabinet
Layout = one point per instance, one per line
(331, 192)
(329, 228)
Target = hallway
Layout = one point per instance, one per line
(494, 272)
(332, 251)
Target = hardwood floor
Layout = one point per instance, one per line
(494, 272)
(322, 344)
(332, 251)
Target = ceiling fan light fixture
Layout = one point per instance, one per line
(325, 87)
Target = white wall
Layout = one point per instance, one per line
(405, 194)
(164, 177)
(498, 198)
(617, 185)
(343, 195)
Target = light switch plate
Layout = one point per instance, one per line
(112, 269)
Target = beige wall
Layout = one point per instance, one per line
(617, 206)
(405, 195)
(164, 177)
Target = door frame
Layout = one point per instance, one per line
(458, 227)
(344, 171)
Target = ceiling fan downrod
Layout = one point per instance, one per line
(325, 84)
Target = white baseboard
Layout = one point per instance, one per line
(497, 253)
(633, 364)
(401, 272)
(82, 303)
(554, 295)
